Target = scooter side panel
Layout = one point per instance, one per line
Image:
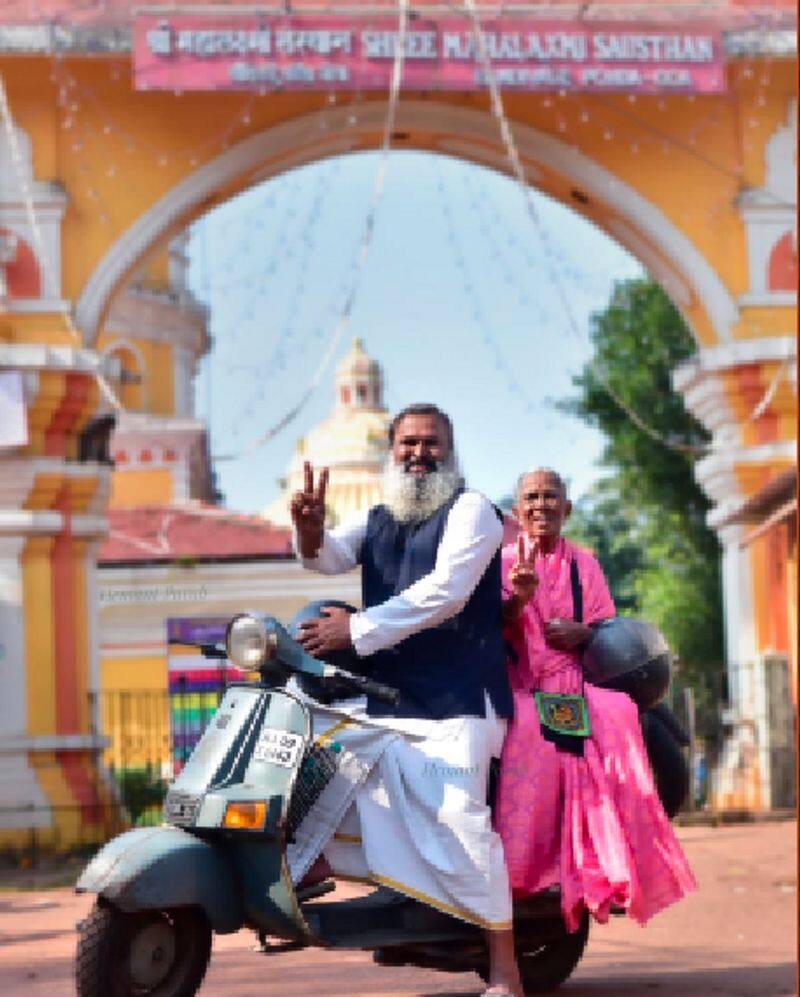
(213, 757)
(269, 896)
(162, 867)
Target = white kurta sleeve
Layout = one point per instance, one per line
(340, 547)
(472, 535)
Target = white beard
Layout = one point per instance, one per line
(411, 498)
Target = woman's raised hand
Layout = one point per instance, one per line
(522, 577)
(308, 511)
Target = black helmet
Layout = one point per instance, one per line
(630, 656)
(347, 659)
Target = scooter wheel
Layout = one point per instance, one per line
(157, 953)
(547, 966)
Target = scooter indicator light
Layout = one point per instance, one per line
(247, 815)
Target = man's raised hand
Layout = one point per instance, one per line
(522, 577)
(308, 511)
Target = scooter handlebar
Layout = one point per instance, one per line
(385, 692)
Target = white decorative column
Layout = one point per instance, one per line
(23, 804)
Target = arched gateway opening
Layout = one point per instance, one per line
(95, 175)
(552, 165)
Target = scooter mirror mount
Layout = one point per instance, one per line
(262, 643)
(297, 659)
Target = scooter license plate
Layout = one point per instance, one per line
(280, 747)
(181, 809)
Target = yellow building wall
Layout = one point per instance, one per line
(130, 489)
(134, 713)
(124, 149)
(157, 388)
(154, 271)
(116, 152)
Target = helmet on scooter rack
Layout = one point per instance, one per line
(325, 691)
(630, 656)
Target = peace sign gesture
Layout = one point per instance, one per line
(522, 577)
(308, 511)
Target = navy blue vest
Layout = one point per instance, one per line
(446, 670)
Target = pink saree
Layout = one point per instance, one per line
(593, 824)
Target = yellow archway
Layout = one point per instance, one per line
(552, 165)
(700, 189)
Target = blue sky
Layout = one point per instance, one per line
(456, 301)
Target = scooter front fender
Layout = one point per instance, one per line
(162, 867)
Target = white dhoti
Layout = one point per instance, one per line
(407, 809)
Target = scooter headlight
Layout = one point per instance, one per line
(247, 642)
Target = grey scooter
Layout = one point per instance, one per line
(218, 862)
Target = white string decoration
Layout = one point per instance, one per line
(363, 254)
(515, 162)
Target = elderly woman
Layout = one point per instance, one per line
(579, 811)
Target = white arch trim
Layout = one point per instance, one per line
(333, 131)
(120, 343)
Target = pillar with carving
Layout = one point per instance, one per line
(54, 478)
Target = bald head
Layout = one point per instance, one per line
(554, 477)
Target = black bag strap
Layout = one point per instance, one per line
(577, 591)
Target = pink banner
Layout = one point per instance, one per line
(249, 51)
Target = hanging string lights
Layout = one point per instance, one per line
(618, 121)
(478, 312)
(494, 226)
(366, 243)
(517, 168)
(272, 359)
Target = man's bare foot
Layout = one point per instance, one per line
(504, 978)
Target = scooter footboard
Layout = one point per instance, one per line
(162, 867)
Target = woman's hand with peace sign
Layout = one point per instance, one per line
(522, 579)
(308, 511)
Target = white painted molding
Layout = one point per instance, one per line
(56, 742)
(732, 354)
(670, 280)
(122, 343)
(147, 313)
(148, 423)
(318, 135)
(88, 525)
(134, 604)
(28, 306)
(37, 355)
(780, 158)
(42, 522)
(771, 299)
(49, 203)
(717, 475)
(29, 522)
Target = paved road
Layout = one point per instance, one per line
(734, 937)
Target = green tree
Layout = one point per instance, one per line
(599, 522)
(647, 519)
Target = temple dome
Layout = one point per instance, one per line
(352, 442)
(356, 362)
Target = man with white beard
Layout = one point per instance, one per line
(409, 801)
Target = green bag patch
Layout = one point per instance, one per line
(563, 713)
